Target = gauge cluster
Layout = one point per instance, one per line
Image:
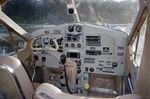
(46, 41)
(75, 28)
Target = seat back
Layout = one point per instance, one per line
(14, 81)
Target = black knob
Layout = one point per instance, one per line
(72, 45)
(63, 58)
(66, 45)
(43, 59)
(59, 41)
(78, 62)
(79, 45)
(91, 69)
(71, 11)
(78, 71)
(61, 77)
(114, 64)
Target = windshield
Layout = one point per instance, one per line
(55, 11)
(9, 42)
(108, 11)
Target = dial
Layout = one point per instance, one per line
(71, 28)
(78, 28)
(20, 44)
(46, 40)
(39, 42)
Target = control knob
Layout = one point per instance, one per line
(91, 69)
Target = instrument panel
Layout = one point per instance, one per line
(101, 50)
(95, 49)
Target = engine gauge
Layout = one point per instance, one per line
(45, 41)
(78, 28)
(71, 28)
(38, 42)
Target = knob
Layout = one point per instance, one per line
(114, 64)
(59, 41)
(66, 45)
(35, 58)
(72, 45)
(51, 42)
(61, 77)
(79, 45)
(78, 62)
(78, 71)
(86, 86)
(43, 59)
(91, 69)
(63, 58)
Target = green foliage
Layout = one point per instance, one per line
(55, 11)
(20, 10)
(108, 11)
(33, 11)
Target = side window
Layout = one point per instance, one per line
(138, 45)
(9, 42)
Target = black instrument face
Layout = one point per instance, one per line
(71, 28)
(78, 28)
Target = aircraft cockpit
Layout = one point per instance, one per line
(74, 58)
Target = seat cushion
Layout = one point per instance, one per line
(48, 91)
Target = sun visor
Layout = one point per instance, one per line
(12, 26)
